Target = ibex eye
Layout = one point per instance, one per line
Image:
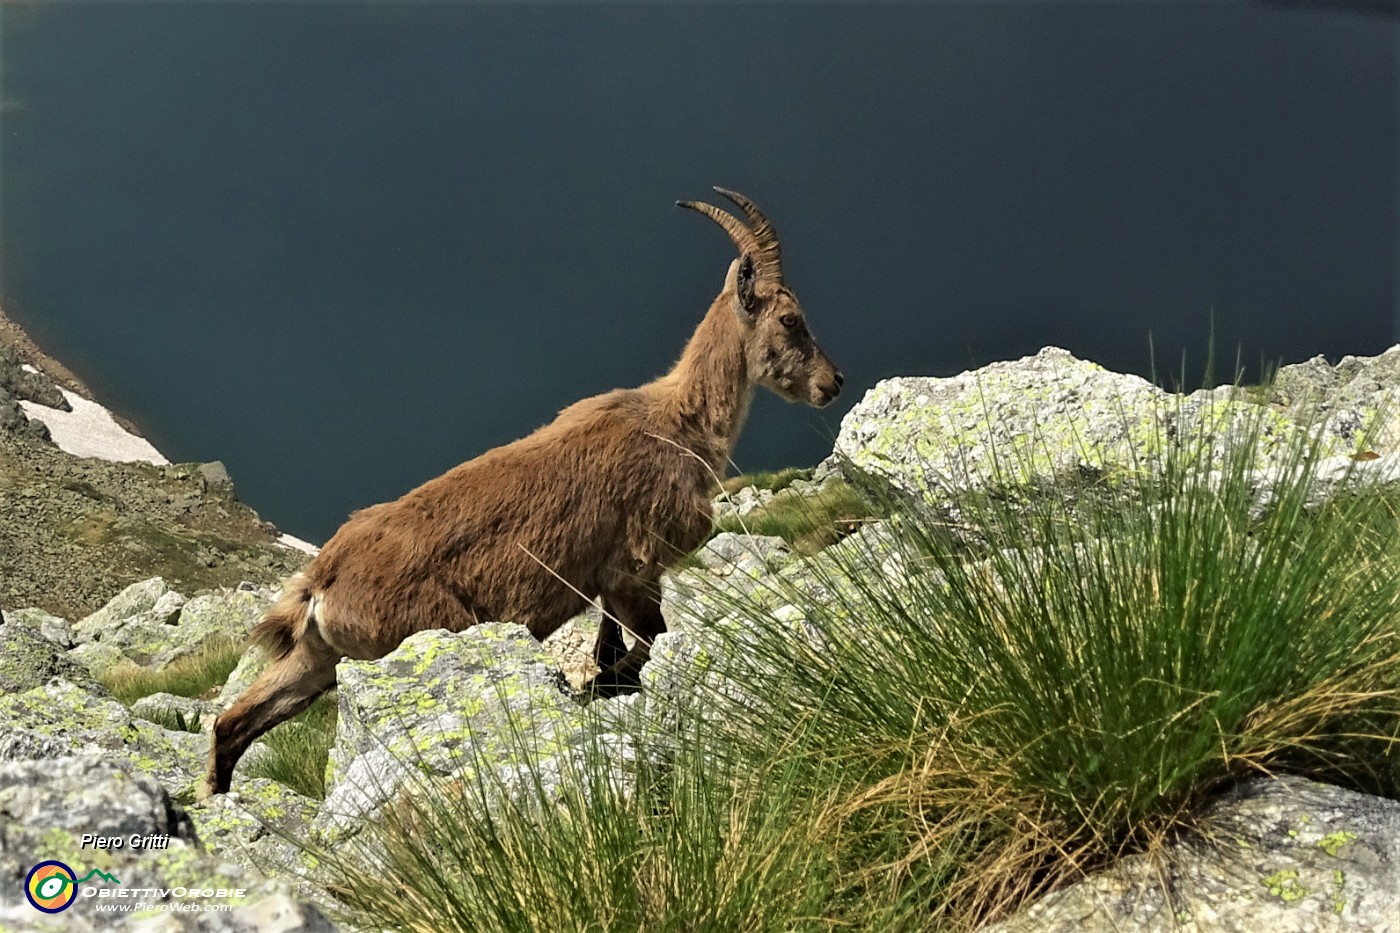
(788, 320)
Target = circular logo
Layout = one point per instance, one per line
(51, 887)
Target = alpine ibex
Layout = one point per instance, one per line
(597, 503)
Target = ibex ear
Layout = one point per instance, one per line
(745, 302)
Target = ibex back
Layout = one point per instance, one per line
(595, 504)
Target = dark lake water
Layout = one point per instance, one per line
(344, 246)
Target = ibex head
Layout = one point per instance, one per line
(781, 352)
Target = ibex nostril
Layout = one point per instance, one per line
(840, 379)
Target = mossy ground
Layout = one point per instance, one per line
(78, 530)
(808, 523)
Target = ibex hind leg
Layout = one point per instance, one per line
(640, 612)
(286, 688)
(609, 648)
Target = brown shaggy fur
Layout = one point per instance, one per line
(598, 502)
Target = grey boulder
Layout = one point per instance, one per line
(486, 707)
(1285, 855)
(151, 625)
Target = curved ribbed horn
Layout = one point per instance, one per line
(770, 254)
(742, 236)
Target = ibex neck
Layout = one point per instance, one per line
(710, 390)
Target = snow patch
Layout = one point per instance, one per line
(89, 430)
(292, 541)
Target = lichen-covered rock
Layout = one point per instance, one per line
(1329, 475)
(708, 648)
(728, 505)
(694, 598)
(46, 807)
(731, 568)
(168, 710)
(252, 664)
(259, 825)
(19, 745)
(29, 660)
(223, 614)
(228, 611)
(97, 658)
(751, 555)
(52, 627)
(138, 622)
(1042, 415)
(1286, 856)
(874, 549)
(1023, 422)
(472, 705)
(701, 675)
(77, 721)
(61, 719)
(671, 679)
(149, 598)
(1357, 401)
(151, 625)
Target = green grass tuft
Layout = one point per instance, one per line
(695, 846)
(194, 675)
(175, 720)
(298, 749)
(1106, 667)
(773, 481)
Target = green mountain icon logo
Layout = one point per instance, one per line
(100, 874)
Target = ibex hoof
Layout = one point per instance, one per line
(207, 788)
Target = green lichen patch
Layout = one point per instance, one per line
(1332, 843)
(258, 809)
(29, 660)
(1285, 886)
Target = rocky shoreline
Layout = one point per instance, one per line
(76, 529)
